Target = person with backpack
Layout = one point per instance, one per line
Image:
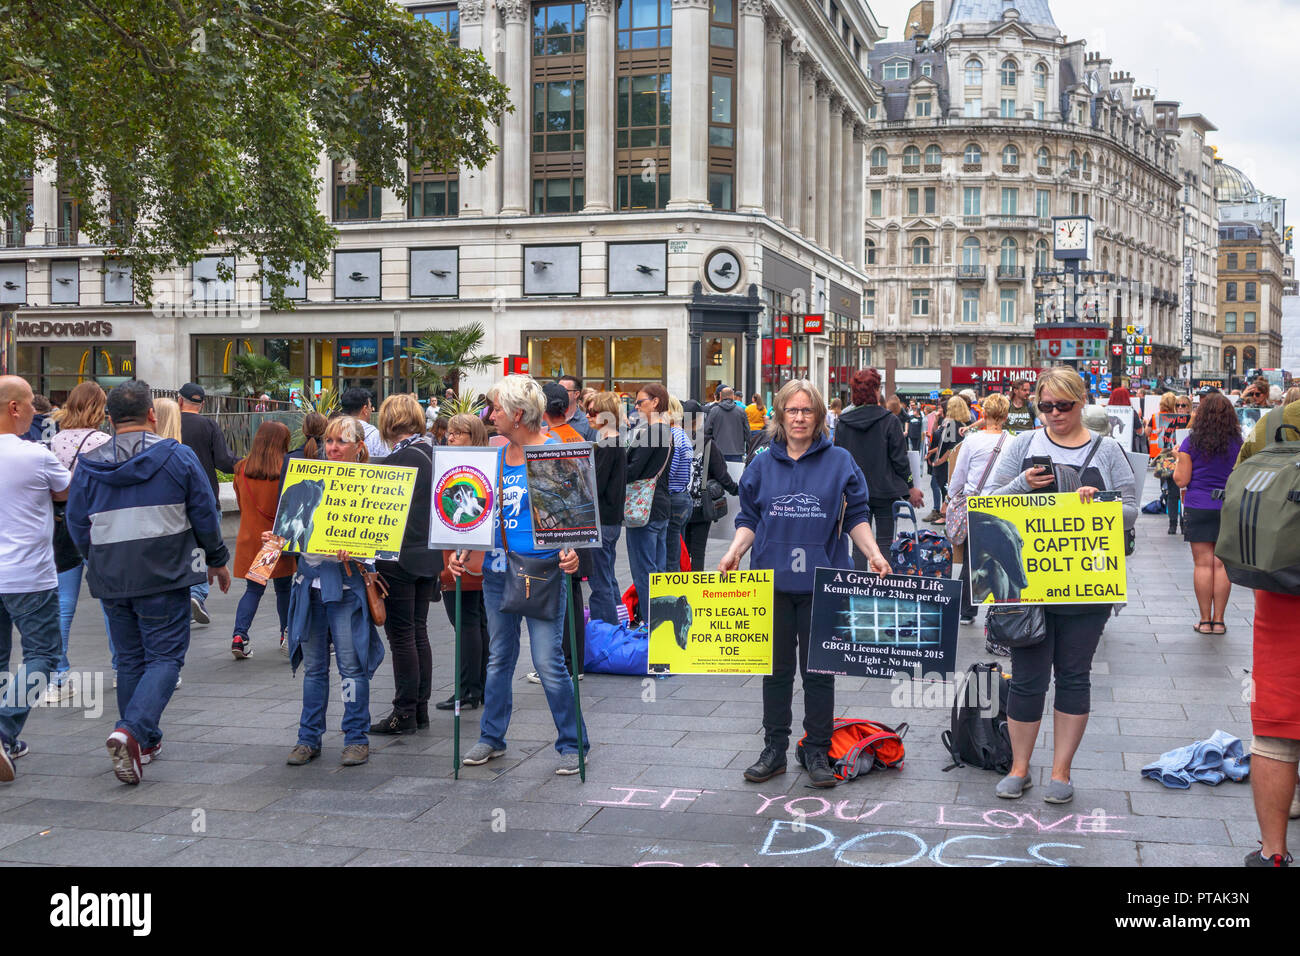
(803, 491)
(1275, 670)
(708, 468)
(1205, 459)
(1085, 463)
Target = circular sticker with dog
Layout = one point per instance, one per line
(463, 498)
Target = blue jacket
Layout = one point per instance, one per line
(793, 508)
(141, 511)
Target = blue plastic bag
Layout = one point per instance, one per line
(613, 649)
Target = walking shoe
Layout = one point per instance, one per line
(16, 749)
(125, 753)
(421, 716)
(354, 755)
(967, 620)
(770, 763)
(178, 677)
(932, 515)
(302, 754)
(466, 703)
(1012, 787)
(58, 693)
(150, 754)
(198, 611)
(481, 753)
(818, 766)
(533, 678)
(394, 723)
(1058, 792)
(1253, 858)
(284, 643)
(569, 765)
(241, 647)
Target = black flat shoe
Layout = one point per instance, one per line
(393, 724)
(466, 703)
(421, 716)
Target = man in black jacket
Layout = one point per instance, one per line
(874, 437)
(202, 436)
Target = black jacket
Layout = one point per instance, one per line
(648, 451)
(611, 480)
(874, 437)
(416, 558)
(715, 469)
(203, 437)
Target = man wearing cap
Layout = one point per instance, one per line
(574, 416)
(203, 437)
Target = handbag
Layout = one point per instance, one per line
(1017, 625)
(376, 591)
(955, 524)
(532, 584)
(641, 497)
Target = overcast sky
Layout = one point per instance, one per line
(1233, 62)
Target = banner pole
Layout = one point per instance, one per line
(577, 693)
(455, 747)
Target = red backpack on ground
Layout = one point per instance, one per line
(859, 746)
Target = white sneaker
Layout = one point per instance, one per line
(58, 693)
(178, 680)
(534, 677)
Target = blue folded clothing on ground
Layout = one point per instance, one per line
(1206, 761)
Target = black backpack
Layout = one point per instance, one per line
(979, 736)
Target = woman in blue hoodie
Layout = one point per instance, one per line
(799, 505)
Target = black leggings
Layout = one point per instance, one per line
(791, 626)
(407, 629)
(1068, 649)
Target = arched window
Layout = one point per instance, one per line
(974, 154)
(974, 72)
(1248, 358)
(1009, 72)
(1230, 359)
(1044, 159)
(1040, 76)
(926, 69)
(970, 252)
(911, 156)
(933, 155)
(1074, 159)
(879, 157)
(1042, 256)
(921, 252)
(1087, 163)
(871, 252)
(1010, 253)
(1010, 155)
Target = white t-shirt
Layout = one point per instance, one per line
(975, 452)
(28, 473)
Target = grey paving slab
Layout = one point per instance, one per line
(73, 847)
(212, 851)
(350, 804)
(82, 814)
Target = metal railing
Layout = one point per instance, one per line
(1011, 272)
(972, 272)
(239, 417)
(1011, 221)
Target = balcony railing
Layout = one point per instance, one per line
(972, 272)
(1001, 221)
(972, 220)
(1011, 272)
(13, 238)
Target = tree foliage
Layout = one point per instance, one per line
(257, 375)
(446, 356)
(205, 119)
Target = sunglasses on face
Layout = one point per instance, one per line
(1062, 407)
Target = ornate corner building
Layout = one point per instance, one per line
(990, 123)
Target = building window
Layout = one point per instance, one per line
(963, 353)
(1074, 161)
(916, 354)
(1230, 292)
(970, 305)
(1230, 321)
(434, 193)
(869, 304)
(911, 158)
(1232, 261)
(970, 251)
(446, 19)
(927, 69)
(559, 116)
(722, 26)
(870, 252)
(1087, 165)
(1007, 109)
(557, 195)
(1010, 200)
(1043, 203)
(1010, 253)
(1009, 72)
(879, 159)
(559, 29)
(559, 67)
(1044, 160)
(974, 72)
(1042, 256)
(1040, 76)
(970, 200)
(642, 138)
(922, 105)
(352, 200)
(1040, 110)
(877, 203)
(720, 191)
(933, 155)
(898, 70)
(1252, 261)
(605, 361)
(1010, 155)
(974, 107)
(1248, 358)
(973, 155)
(1248, 322)
(920, 301)
(930, 205)
(644, 24)
(1250, 291)
(921, 252)
(722, 112)
(1007, 307)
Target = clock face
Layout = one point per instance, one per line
(1071, 234)
(723, 270)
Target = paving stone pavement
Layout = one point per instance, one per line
(664, 784)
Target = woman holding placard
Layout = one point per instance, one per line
(413, 578)
(1087, 463)
(523, 582)
(328, 606)
(799, 505)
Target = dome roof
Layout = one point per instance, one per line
(1231, 185)
(1032, 12)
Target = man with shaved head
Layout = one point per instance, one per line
(31, 479)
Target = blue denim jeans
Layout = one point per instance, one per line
(248, 604)
(601, 577)
(646, 553)
(200, 591)
(69, 592)
(37, 615)
(151, 635)
(333, 623)
(544, 636)
(680, 507)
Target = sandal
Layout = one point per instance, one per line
(1218, 627)
(1201, 628)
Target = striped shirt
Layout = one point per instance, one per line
(679, 471)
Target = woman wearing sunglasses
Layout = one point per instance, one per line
(1087, 463)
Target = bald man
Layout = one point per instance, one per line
(30, 479)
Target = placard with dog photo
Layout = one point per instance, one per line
(331, 506)
(1047, 548)
(463, 511)
(708, 622)
(562, 495)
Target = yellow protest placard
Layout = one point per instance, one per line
(1046, 549)
(328, 506)
(706, 622)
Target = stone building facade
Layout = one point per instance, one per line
(1200, 233)
(1251, 274)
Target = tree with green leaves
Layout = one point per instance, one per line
(181, 127)
(257, 375)
(445, 357)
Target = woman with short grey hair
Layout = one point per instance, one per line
(521, 399)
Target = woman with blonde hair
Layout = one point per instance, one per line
(168, 413)
(948, 436)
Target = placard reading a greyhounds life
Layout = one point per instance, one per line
(866, 625)
(1046, 549)
(332, 506)
(706, 622)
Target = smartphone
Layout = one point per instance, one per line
(1041, 461)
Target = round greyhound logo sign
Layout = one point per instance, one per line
(463, 498)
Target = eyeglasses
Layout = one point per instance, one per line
(800, 412)
(1062, 407)
(574, 391)
(641, 401)
(1182, 405)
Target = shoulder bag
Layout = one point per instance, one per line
(532, 584)
(955, 525)
(1017, 625)
(66, 555)
(641, 496)
(376, 592)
